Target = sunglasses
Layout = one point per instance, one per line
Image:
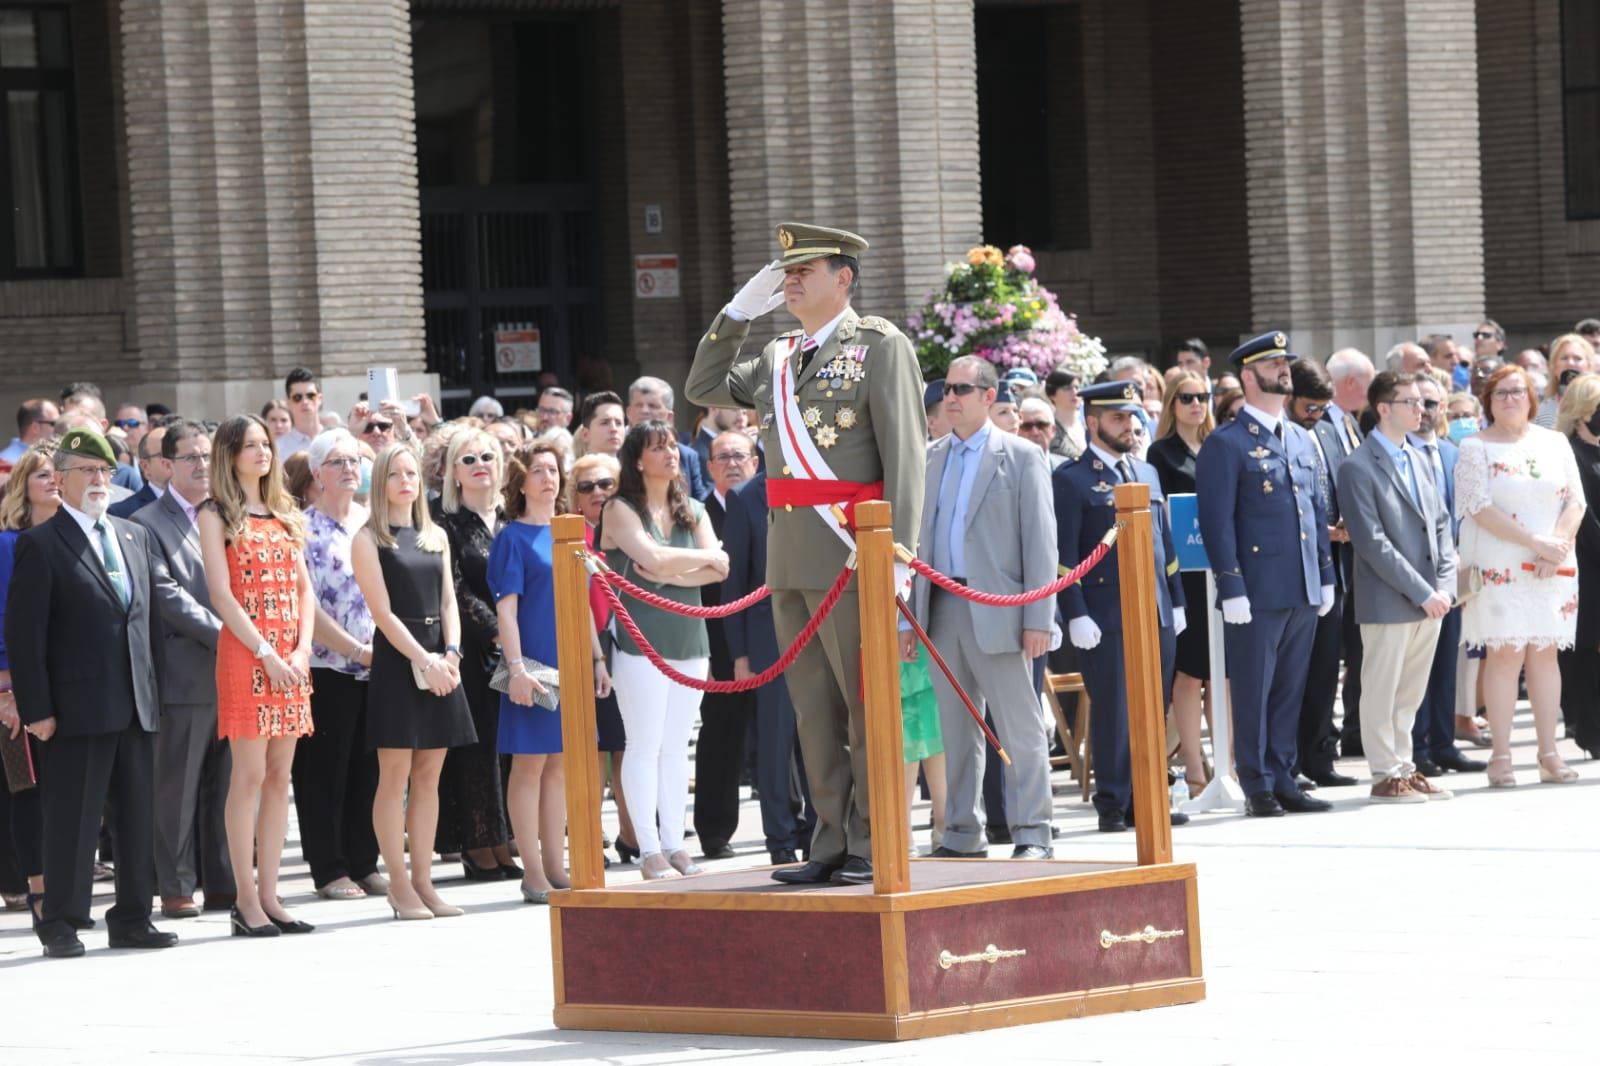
(126, 423)
(961, 389)
(486, 458)
(1316, 408)
(302, 397)
(379, 427)
(1482, 335)
(1193, 397)
(1430, 405)
(1035, 427)
(605, 484)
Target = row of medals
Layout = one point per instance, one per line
(840, 374)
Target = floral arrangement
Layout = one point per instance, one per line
(992, 306)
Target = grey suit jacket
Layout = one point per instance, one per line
(1010, 536)
(1403, 552)
(187, 663)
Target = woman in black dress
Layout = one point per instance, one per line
(1185, 422)
(1579, 418)
(402, 563)
(472, 817)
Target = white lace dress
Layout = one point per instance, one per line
(1532, 480)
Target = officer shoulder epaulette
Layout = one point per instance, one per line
(879, 324)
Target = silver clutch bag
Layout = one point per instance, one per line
(548, 676)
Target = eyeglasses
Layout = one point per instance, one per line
(125, 423)
(196, 459)
(1034, 427)
(1482, 335)
(1193, 397)
(302, 397)
(605, 484)
(379, 427)
(555, 412)
(731, 457)
(486, 458)
(1510, 394)
(95, 472)
(961, 389)
(1430, 405)
(1409, 401)
(1315, 408)
(347, 462)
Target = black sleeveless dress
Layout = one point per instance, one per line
(399, 714)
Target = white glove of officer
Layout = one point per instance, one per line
(902, 581)
(760, 294)
(1327, 601)
(1180, 621)
(1083, 633)
(1236, 612)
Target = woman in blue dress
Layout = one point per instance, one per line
(522, 583)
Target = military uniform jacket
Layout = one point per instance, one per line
(861, 399)
(1261, 515)
(1085, 509)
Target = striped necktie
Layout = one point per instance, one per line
(807, 350)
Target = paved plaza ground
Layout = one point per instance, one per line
(1458, 932)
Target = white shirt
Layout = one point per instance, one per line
(291, 442)
(1111, 460)
(821, 335)
(86, 524)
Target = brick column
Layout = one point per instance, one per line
(273, 194)
(1361, 134)
(860, 114)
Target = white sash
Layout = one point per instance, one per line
(800, 453)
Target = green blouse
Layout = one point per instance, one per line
(674, 636)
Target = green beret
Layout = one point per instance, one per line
(802, 243)
(89, 444)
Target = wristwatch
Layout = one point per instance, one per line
(448, 648)
(263, 649)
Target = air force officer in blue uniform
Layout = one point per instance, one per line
(1085, 509)
(1266, 536)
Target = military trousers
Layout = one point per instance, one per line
(1267, 659)
(1105, 678)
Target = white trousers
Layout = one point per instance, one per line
(1396, 660)
(658, 715)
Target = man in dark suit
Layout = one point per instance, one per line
(80, 633)
(724, 716)
(1351, 373)
(786, 814)
(1085, 509)
(1266, 536)
(1318, 739)
(651, 399)
(192, 766)
(154, 474)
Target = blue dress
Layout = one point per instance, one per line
(519, 565)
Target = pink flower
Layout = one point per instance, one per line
(1020, 258)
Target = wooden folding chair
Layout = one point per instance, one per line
(1074, 737)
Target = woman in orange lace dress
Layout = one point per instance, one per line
(252, 540)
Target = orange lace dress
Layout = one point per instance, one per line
(263, 571)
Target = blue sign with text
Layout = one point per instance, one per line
(1186, 532)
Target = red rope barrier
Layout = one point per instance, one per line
(687, 610)
(771, 673)
(1019, 599)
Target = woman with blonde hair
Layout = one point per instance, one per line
(1579, 418)
(252, 541)
(416, 707)
(1570, 351)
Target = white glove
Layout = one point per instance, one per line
(760, 294)
(1180, 621)
(1236, 612)
(1083, 633)
(1327, 601)
(902, 581)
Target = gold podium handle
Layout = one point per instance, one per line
(990, 954)
(1148, 935)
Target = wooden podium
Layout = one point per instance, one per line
(933, 946)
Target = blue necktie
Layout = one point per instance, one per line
(108, 557)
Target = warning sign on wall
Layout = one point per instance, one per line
(655, 277)
(516, 350)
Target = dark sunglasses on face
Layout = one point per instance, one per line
(1430, 405)
(605, 484)
(1035, 427)
(961, 389)
(486, 458)
(1482, 335)
(127, 423)
(379, 427)
(1316, 408)
(1193, 397)
(301, 397)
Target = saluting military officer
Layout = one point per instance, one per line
(1085, 509)
(1266, 537)
(840, 404)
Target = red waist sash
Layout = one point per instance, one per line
(814, 492)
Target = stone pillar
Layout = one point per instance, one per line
(1361, 135)
(273, 194)
(860, 114)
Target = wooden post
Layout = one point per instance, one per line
(1141, 654)
(575, 660)
(880, 683)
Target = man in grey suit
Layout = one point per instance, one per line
(1405, 567)
(191, 764)
(989, 522)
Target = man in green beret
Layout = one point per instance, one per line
(79, 631)
(841, 421)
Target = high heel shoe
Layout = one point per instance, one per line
(408, 914)
(442, 909)
(664, 872)
(1505, 778)
(1560, 774)
(535, 895)
(625, 853)
(474, 872)
(685, 865)
(292, 926)
(236, 920)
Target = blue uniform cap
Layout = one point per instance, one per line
(1266, 346)
(1113, 396)
(933, 393)
(1021, 375)
(1002, 392)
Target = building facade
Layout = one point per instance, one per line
(197, 195)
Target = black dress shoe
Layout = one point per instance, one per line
(812, 873)
(855, 871)
(1113, 822)
(291, 927)
(1174, 818)
(236, 920)
(1304, 783)
(722, 850)
(1263, 805)
(1030, 851)
(148, 937)
(1298, 802)
(1429, 768)
(784, 857)
(1454, 760)
(1331, 778)
(997, 834)
(63, 946)
(474, 872)
(942, 852)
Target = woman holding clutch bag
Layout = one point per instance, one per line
(416, 708)
(660, 539)
(1520, 499)
(530, 732)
